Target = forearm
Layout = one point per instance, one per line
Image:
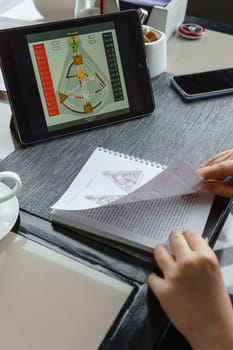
(222, 340)
(218, 335)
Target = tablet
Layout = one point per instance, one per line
(72, 75)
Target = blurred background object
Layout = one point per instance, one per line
(7, 4)
(95, 7)
(55, 9)
(212, 10)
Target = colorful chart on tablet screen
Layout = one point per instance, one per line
(79, 74)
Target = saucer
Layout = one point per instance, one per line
(9, 211)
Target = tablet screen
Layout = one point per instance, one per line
(79, 74)
(74, 75)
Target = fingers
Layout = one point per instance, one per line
(220, 157)
(219, 188)
(179, 245)
(183, 244)
(195, 241)
(156, 284)
(164, 259)
(217, 171)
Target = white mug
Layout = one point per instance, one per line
(156, 53)
(9, 175)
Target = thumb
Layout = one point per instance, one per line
(219, 188)
(156, 284)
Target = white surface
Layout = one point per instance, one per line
(7, 4)
(213, 51)
(227, 275)
(51, 302)
(9, 211)
(25, 10)
(225, 240)
(2, 84)
(6, 141)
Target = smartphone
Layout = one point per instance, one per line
(203, 85)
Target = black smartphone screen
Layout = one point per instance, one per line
(205, 84)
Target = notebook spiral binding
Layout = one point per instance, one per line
(130, 157)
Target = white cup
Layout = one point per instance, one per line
(9, 175)
(156, 52)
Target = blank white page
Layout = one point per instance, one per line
(51, 302)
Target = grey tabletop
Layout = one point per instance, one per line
(190, 131)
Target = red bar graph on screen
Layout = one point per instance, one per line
(46, 79)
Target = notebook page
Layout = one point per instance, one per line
(109, 177)
(106, 177)
(143, 224)
(177, 180)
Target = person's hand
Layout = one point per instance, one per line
(219, 158)
(215, 170)
(192, 292)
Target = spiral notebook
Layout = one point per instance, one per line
(132, 200)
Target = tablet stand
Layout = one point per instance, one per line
(14, 130)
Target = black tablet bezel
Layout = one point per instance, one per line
(22, 87)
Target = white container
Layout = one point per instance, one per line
(156, 53)
(167, 19)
